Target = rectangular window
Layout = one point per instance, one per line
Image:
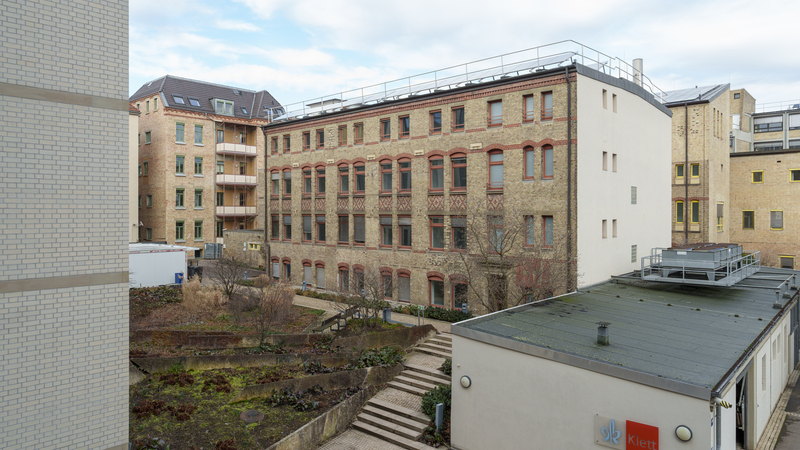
(192, 101)
(547, 225)
(344, 280)
(148, 234)
(605, 161)
(344, 179)
(436, 122)
(695, 218)
(794, 175)
(219, 226)
(459, 166)
(358, 133)
(679, 212)
(307, 182)
(198, 134)
(386, 177)
(198, 198)
(405, 231)
(342, 135)
(140, 201)
(605, 228)
(344, 229)
(794, 122)
(320, 139)
(679, 171)
(321, 237)
(386, 129)
(757, 176)
(307, 228)
(276, 179)
(547, 105)
(496, 234)
(634, 195)
(437, 174)
(405, 175)
(287, 228)
(220, 136)
(695, 170)
(359, 229)
(496, 170)
(361, 182)
(179, 164)
(252, 246)
(530, 162)
(220, 199)
(458, 227)
(276, 233)
(155, 104)
(527, 108)
(198, 165)
(386, 231)
(787, 262)
(633, 253)
(198, 230)
(766, 124)
(179, 132)
(287, 270)
(776, 219)
(437, 292)
(306, 141)
(460, 292)
(149, 201)
(386, 282)
(287, 143)
(613, 162)
(274, 145)
(720, 218)
(179, 230)
(495, 113)
(458, 118)
(320, 181)
(404, 288)
(179, 198)
(547, 163)
(140, 170)
(614, 101)
(530, 231)
(147, 106)
(605, 99)
(404, 125)
(614, 228)
(320, 278)
(146, 137)
(748, 220)
(437, 233)
(287, 183)
(766, 146)
(794, 143)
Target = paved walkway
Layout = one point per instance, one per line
(783, 428)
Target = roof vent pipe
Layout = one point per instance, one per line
(602, 333)
(777, 304)
(638, 67)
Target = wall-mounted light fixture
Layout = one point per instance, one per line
(465, 381)
(683, 433)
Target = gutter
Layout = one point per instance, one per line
(569, 177)
(268, 253)
(686, 216)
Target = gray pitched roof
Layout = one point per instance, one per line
(695, 94)
(676, 337)
(254, 102)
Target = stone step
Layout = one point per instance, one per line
(442, 342)
(427, 371)
(391, 427)
(414, 382)
(446, 336)
(389, 437)
(430, 379)
(389, 416)
(433, 346)
(434, 352)
(399, 410)
(406, 388)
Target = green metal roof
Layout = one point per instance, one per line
(677, 337)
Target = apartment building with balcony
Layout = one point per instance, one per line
(198, 159)
(700, 169)
(384, 178)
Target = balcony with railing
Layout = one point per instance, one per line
(233, 211)
(230, 148)
(227, 179)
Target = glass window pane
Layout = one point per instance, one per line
(548, 231)
(529, 107)
(548, 162)
(529, 163)
(404, 284)
(496, 175)
(437, 292)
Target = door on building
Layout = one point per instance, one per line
(741, 410)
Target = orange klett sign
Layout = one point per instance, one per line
(639, 436)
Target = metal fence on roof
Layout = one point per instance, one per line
(778, 106)
(504, 66)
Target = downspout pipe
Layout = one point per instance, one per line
(268, 254)
(570, 286)
(686, 213)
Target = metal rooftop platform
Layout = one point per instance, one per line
(536, 59)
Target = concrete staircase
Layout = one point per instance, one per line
(397, 424)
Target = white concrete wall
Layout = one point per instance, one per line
(640, 136)
(771, 376)
(133, 178)
(520, 401)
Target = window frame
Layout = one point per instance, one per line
(180, 231)
(547, 113)
(275, 183)
(495, 185)
(275, 227)
(363, 219)
(545, 150)
(147, 137)
(752, 219)
(287, 143)
(344, 179)
(384, 227)
(530, 231)
(320, 174)
(402, 171)
(770, 220)
(308, 188)
(440, 169)
(198, 195)
(402, 228)
(180, 131)
(401, 279)
(528, 159)
(453, 285)
(320, 134)
(404, 122)
(453, 229)
(198, 129)
(548, 243)
(180, 201)
(287, 227)
(679, 173)
(528, 116)
(321, 232)
(458, 165)
(287, 183)
(275, 145)
(360, 172)
(198, 164)
(682, 211)
(492, 121)
(358, 129)
(431, 281)
(148, 201)
(432, 129)
(436, 228)
(342, 130)
(496, 226)
(306, 141)
(382, 130)
(343, 231)
(792, 177)
(180, 165)
(198, 226)
(692, 215)
(692, 167)
(384, 171)
(753, 176)
(308, 236)
(456, 127)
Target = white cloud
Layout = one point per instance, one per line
(237, 25)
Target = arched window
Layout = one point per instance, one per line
(458, 161)
(287, 182)
(530, 163)
(386, 176)
(547, 162)
(436, 173)
(361, 182)
(276, 177)
(436, 290)
(344, 179)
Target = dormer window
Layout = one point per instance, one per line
(223, 107)
(194, 102)
(244, 110)
(178, 99)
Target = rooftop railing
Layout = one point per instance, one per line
(536, 59)
(784, 105)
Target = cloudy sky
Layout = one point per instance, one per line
(300, 49)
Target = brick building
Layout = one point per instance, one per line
(198, 159)
(64, 124)
(385, 181)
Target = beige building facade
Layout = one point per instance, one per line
(388, 187)
(134, 199)
(199, 160)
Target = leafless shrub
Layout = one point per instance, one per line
(365, 290)
(201, 301)
(229, 269)
(273, 305)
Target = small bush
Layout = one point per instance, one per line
(378, 357)
(446, 315)
(201, 301)
(439, 394)
(295, 399)
(447, 366)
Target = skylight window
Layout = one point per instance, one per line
(194, 101)
(178, 99)
(237, 92)
(244, 110)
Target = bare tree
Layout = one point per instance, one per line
(510, 259)
(273, 305)
(365, 290)
(229, 269)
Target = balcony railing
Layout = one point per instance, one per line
(236, 149)
(231, 211)
(246, 180)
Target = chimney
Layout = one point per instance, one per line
(602, 333)
(638, 67)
